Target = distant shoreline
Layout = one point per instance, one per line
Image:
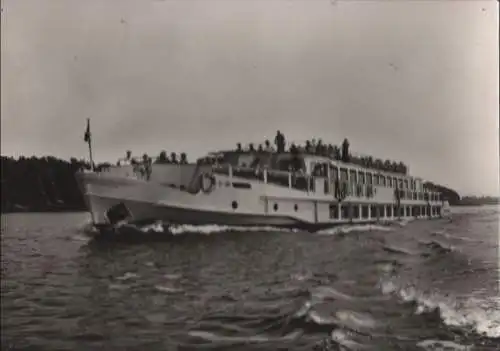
(65, 210)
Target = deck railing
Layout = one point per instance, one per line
(298, 181)
(305, 182)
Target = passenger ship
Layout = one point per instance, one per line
(242, 188)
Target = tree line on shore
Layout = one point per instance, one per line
(479, 200)
(31, 184)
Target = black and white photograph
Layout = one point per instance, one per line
(250, 175)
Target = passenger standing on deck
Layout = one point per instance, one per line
(146, 168)
(268, 147)
(162, 158)
(184, 160)
(173, 158)
(345, 150)
(336, 152)
(308, 147)
(330, 151)
(280, 141)
(319, 147)
(127, 160)
(296, 166)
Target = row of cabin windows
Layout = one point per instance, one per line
(364, 177)
(413, 195)
(301, 183)
(362, 212)
(404, 194)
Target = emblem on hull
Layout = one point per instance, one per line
(118, 213)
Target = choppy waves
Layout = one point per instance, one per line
(404, 286)
(475, 315)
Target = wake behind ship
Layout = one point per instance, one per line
(298, 188)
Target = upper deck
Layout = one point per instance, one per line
(313, 166)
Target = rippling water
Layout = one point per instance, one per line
(412, 286)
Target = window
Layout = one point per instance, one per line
(389, 182)
(361, 176)
(364, 211)
(382, 180)
(406, 184)
(343, 174)
(369, 178)
(373, 209)
(352, 176)
(284, 165)
(408, 214)
(344, 212)
(240, 185)
(319, 170)
(381, 211)
(388, 211)
(334, 211)
(334, 172)
(376, 179)
(355, 212)
(402, 194)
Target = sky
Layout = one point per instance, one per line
(415, 81)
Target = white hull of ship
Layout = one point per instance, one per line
(261, 205)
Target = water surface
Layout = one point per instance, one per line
(422, 285)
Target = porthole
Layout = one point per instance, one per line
(234, 205)
(275, 207)
(295, 207)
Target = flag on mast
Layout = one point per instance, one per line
(86, 137)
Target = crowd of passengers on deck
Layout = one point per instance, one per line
(405, 187)
(310, 147)
(143, 166)
(161, 159)
(317, 147)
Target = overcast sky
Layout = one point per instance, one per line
(407, 80)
